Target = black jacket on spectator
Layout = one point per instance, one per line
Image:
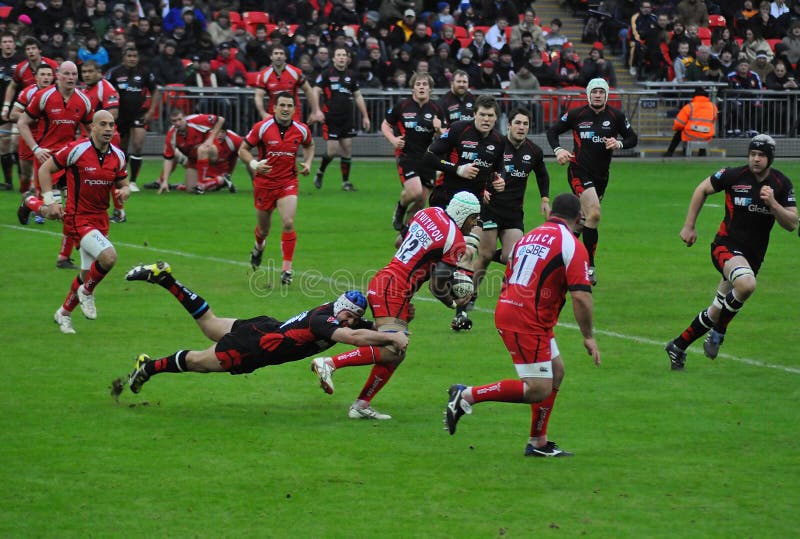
(168, 69)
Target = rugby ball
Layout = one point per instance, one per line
(461, 284)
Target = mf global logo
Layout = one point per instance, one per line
(589, 135)
(742, 201)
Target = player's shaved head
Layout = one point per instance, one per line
(68, 67)
(102, 116)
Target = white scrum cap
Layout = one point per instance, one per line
(461, 206)
(596, 83)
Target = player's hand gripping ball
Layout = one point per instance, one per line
(461, 284)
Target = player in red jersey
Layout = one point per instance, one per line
(25, 72)
(104, 96)
(193, 136)
(44, 78)
(756, 197)
(282, 77)
(244, 345)
(432, 249)
(93, 169)
(275, 183)
(546, 263)
(60, 108)
(220, 172)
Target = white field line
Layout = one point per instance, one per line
(612, 334)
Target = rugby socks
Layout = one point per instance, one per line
(699, 327)
(261, 239)
(500, 391)
(174, 363)
(209, 184)
(540, 415)
(118, 205)
(202, 168)
(7, 164)
(326, 160)
(194, 304)
(345, 168)
(93, 277)
(136, 166)
(590, 237)
(730, 307)
(34, 203)
(365, 355)
(71, 301)
(66, 248)
(288, 243)
(378, 377)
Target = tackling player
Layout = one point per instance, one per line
(432, 249)
(594, 129)
(756, 196)
(544, 265)
(339, 86)
(244, 345)
(275, 182)
(410, 126)
(93, 168)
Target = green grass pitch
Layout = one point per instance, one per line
(710, 452)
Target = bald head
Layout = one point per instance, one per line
(67, 76)
(102, 128)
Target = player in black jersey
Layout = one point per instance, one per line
(244, 345)
(9, 58)
(339, 91)
(595, 128)
(459, 103)
(756, 196)
(410, 126)
(133, 82)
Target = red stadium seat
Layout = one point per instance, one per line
(549, 106)
(773, 42)
(705, 35)
(715, 21)
(251, 77)
(5, 11)
(255, 17)
(484, 29)
(460, 33)
(175, 98)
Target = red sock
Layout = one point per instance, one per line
(378, 377)
(502, 391)
(366, 355)
(118, 205)
(209, 184)
(34, 204)
(540, 415)
(202, 167)
(93, 277)
(260, 240)
(288, 242)
(66, 248)
(71, 301)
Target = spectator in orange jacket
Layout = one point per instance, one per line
(696, 121)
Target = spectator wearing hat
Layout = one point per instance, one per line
(466, 63)
(696, 121)
(524, 79)
(220, 28)
(54, 16)
(479, 47)
(420, 41)
(403, 29)
(227, 62)
(368, 28)
(596, 66)
(743, 114)
(344, 13)
(185, 44)
(145, 39)
(496, 35)
(193, 26)
(569, 66)
(174, 18)
(447, 36)
(762, 66)
(167, 67)
(467, 16)
(443, 14)
(521, 54)
(442, 66)
(118, 17)
(403, 62)
(33, 14)
(527, 24)
(381, 68)
(392, 10)
(504, 65)
(544, 73)
(115, 45)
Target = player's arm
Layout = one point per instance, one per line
(247, 157)
(543, 183)
(258, 99)
(214, 133)
(582, 308)
(701, 192)
(52, 208)
(361, 105)
(786, 216)
(369, 337)
(313, 102)
(11, 90)
(562, 154)
(308, 157)
(16, 111)
(629, 136)
(166, 172)
(388, 133)
(24, 125)
(441, 147)
(154, 100)
(440, 285)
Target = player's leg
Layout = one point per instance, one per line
(346, 153)
(6, 157)
(541, 410)
(508, 238)
(287, 208)
(137, 134)
(264, 207)
(590, 206)
(331, 151)
(98, 257)
(481, 242)
(190, 180)
(182, 361)
(207, 153)
(738, 285)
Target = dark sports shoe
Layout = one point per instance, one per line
(286, 277)
(66, 263)
(152, 185)
(318, 180)
(229, 183)
(677, 357)
(461, 322)
(118, 216)
(138, 377)
(6, 187)
(152, 273)
(397, 218)
(24, 212)
(255, 258)
(712, 343)
(347, 186)
(550, 449)
(592, 276)
(456, 407)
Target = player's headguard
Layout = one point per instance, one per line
(764, 143)
(596, 83)
(353, 301)
(461, 206)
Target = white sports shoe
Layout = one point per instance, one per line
(323, 368)
(133, 187)
(366, 413)
(87, 304)
(64, 322)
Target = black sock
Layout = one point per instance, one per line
(699, 327)
(345, 166)
(326, 160)
(498, 256)
(7, 163)
(194, 304)
(174, 363)
(136, 166)
(590, 237)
